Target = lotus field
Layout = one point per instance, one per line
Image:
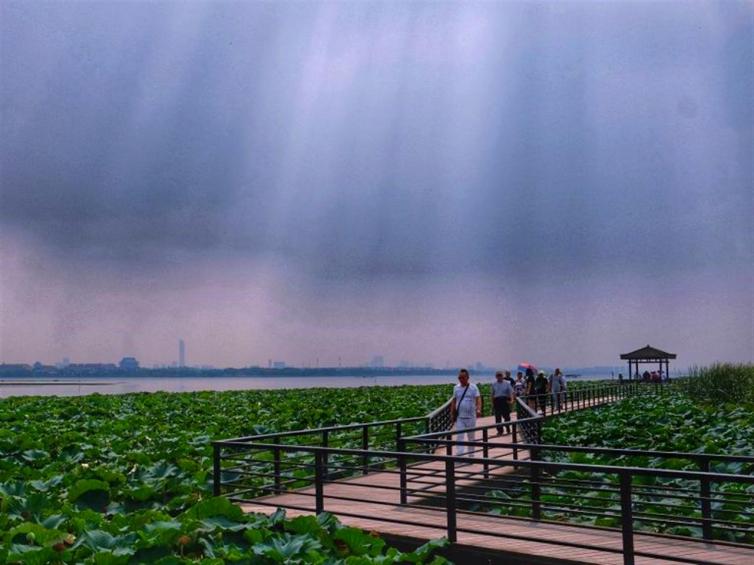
(127, 478)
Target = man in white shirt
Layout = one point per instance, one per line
(464, 409)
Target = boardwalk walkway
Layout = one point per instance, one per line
(372, 502)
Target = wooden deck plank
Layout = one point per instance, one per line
(431, 524)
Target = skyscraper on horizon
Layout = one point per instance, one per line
(181, 353)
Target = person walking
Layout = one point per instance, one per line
(519, 387)
(509, 378)
(465, 407)
(531, 389)
(540, 387)
(502, 396)
(556, 389)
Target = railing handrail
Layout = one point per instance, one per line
(420, 438)
(439, 409)
(478, 428)
(501, 462)
(336, 428)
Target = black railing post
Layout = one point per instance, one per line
(450, 499)
(325, 456)
(704, 488)
(486, 453)
(402, 467)
(276, 468)
(536, 505)
(515, 441)
(319, 477)
(627, 518)
(397, 435)
(216, 472)
(365, 448)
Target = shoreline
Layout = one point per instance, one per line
(56, 383)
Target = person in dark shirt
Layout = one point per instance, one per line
(540, 385)
(502, 397)
(531, 389)
(509, 378)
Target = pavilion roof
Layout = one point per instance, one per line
(648, 352)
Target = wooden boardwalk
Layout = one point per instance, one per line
(376, 495)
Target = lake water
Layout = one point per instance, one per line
(121, 385)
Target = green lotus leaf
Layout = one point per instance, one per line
(216, 506)
(39, 534)
(162, 525)
(358, 541)
(100, 540)
(30, 554)
(44, 486)
(287, 547)
(92, 494)
(34, 455)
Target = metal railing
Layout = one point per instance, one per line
(375, 436)
(522, 479)
(711, 505)
(616, 497)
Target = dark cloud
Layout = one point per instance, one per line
(367, 141)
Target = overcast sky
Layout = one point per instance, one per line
(434, 182)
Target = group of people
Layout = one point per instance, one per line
(466, 404)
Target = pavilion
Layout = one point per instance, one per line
(647, 354)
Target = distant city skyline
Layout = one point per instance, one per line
(554, 182)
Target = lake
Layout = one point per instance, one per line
(121, 385)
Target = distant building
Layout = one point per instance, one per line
(278, 364)
(181, 353)
(129, 364)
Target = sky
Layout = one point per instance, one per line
(435, 182)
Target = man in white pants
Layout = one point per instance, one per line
(465, 407)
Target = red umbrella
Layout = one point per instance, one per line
(523, 366)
